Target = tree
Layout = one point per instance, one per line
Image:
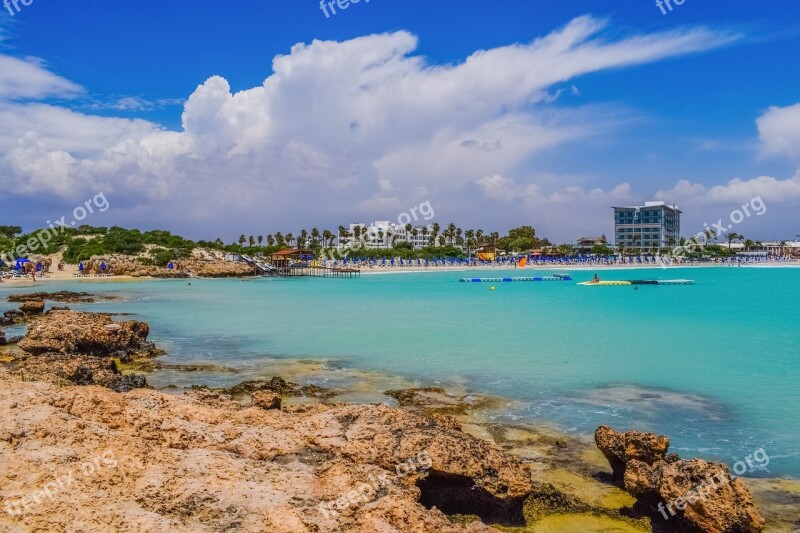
(242, 239)
(302, 239)
(451, 232)
(315, 235)
(270, 240)
(252, 241)
(424, 233)
(732, 236)
(280, 239)
(260, 240)
(748, 244)
(10, 231)
(327, 238)
(289, 239)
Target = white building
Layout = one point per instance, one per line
(383, 235)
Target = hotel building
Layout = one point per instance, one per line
(651, 226)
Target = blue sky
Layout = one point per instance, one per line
(499, 114)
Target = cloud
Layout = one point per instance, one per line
(779, 131)
(348, 127)
(736, 190)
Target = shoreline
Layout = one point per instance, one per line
(378, 270)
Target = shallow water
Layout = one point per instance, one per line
(714, 365)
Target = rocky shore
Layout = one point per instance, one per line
(85, 444)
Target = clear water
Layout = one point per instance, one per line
(715, 365)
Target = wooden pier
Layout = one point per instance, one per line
(317, 272)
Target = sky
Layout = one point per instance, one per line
(238, 117)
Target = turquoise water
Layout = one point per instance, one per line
(714, 365)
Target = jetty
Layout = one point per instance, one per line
(296, 263)
(512, 280)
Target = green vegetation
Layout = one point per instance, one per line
(81, 243)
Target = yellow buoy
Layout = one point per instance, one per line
(491, 288)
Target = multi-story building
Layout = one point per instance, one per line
(649, 227)
(383, 235)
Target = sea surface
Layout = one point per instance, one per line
(715, 365)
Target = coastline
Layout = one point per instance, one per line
(568, 463)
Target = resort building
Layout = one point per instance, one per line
(384, 235)
(585, 245)
(649, 227)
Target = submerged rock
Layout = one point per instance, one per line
(281, 387)
(60, 296)
(695, 494)
(431, 400)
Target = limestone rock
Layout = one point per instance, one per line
(179, 464)
(694, 494)
(619, 448)
(74, 332)
(266, 400)
(32, 307)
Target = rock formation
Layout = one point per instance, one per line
(203, 462)
(74, 332)
(695, 494)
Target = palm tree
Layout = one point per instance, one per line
(342, 234)
(242, 239)
(315, 235)
(748, 244)
(301, 241)
(260, 240)
(478, 238)
(357, 232)
(732, 236)
(635, 239)
(289, 239)
(280, 239)
(424, 233)
(435, 233)
(470, 235)
(783, 245)
(451, 232)
(252, 241)
(327, 238)
(270, 240)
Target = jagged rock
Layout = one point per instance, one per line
(182, 464)
(3, 341)
(619, 448)
(32, 307)
(695, 494)
(74, 332)
(266, 400)
(72, 369)
(127, 383)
